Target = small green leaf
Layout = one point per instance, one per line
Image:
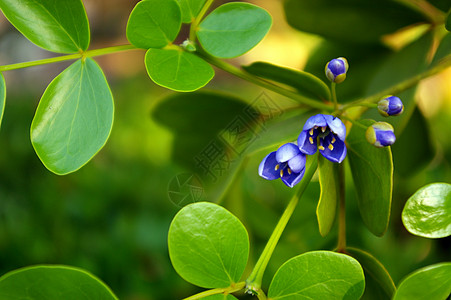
(190, 9)
(428, 212)
(431, 283)
(306, 83)
(337, 19)
(74, 118)
(220, 297)
(177, 70)
(377, 278)
(2, 97)
(372, 171)
(318, 275)
(58, 26)
(208, 246)
(329, 196)
(233, 29)
(154, 23)
(53, 282)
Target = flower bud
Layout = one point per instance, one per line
(390, 106)
(380, 134)
(336, 69)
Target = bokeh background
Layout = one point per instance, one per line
(112, 216)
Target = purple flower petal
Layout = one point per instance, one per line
(293, 179)
(305, 144)
(267, 168)
(336, 126)
(385, 138)
(297, 163)
(316, 120)
(287, 152)
(335, 152)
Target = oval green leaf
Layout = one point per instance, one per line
(318, 275)
(58, 26)
(428, 212)
(431, 283)
(372, 171)
(53, 282)
(337, 20)
(378, 283)
(2, 96)
(74, 118)
(305, 83)
(329, 196)
(190, 9)
(233, 29)
(154, 23)
(208, 246)
(177, 70)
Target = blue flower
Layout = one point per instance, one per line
(380, 134)
(336, 69)
(331, 133)
(390, 106)
(287, 163)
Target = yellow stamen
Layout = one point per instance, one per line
(333, 140)
(311, 131)
(281, 173)
(331, 147)
(277, 167)
(310, 140)
(323, 129)
(320, 147)
(289, 171)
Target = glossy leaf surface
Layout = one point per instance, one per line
(177, 70)
(2, 96)
(74, 118)
(208, 246)
(306, 83)
(431, 283)
(58, 26)
(378, 283)
(338, 19)
(233, 29)
(318, 275)
(428, 212)
(154, 23)
(329, 196)
(190, 9)
(372, 171)
(53, 282)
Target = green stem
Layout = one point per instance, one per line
(334, 95)
(341, 247)
(228, 290)
(426, 9)
(89, 53)
(354, 122)
(253, 282)
(263, 83)
(195, 24)
(404, 85)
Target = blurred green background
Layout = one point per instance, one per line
(112, 216)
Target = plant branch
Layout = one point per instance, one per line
(253, 282)
(89, 53)
(228, 290)
(195, 24)
(263, 83)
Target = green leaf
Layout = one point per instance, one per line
(329, 196)
(190, 9)
(337, 19)
(372, 171)
(208, 246)
(431, 283)
(74, 118)
(2, 97)
(428, 212)
(177, 70)
(220, 297)
(53, 282)
(307, 84)
(58, 26)
(318, 275)
(233, 29)
(154, 23)
(410, 162)
(377, 279)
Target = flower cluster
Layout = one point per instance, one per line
(324, 132)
